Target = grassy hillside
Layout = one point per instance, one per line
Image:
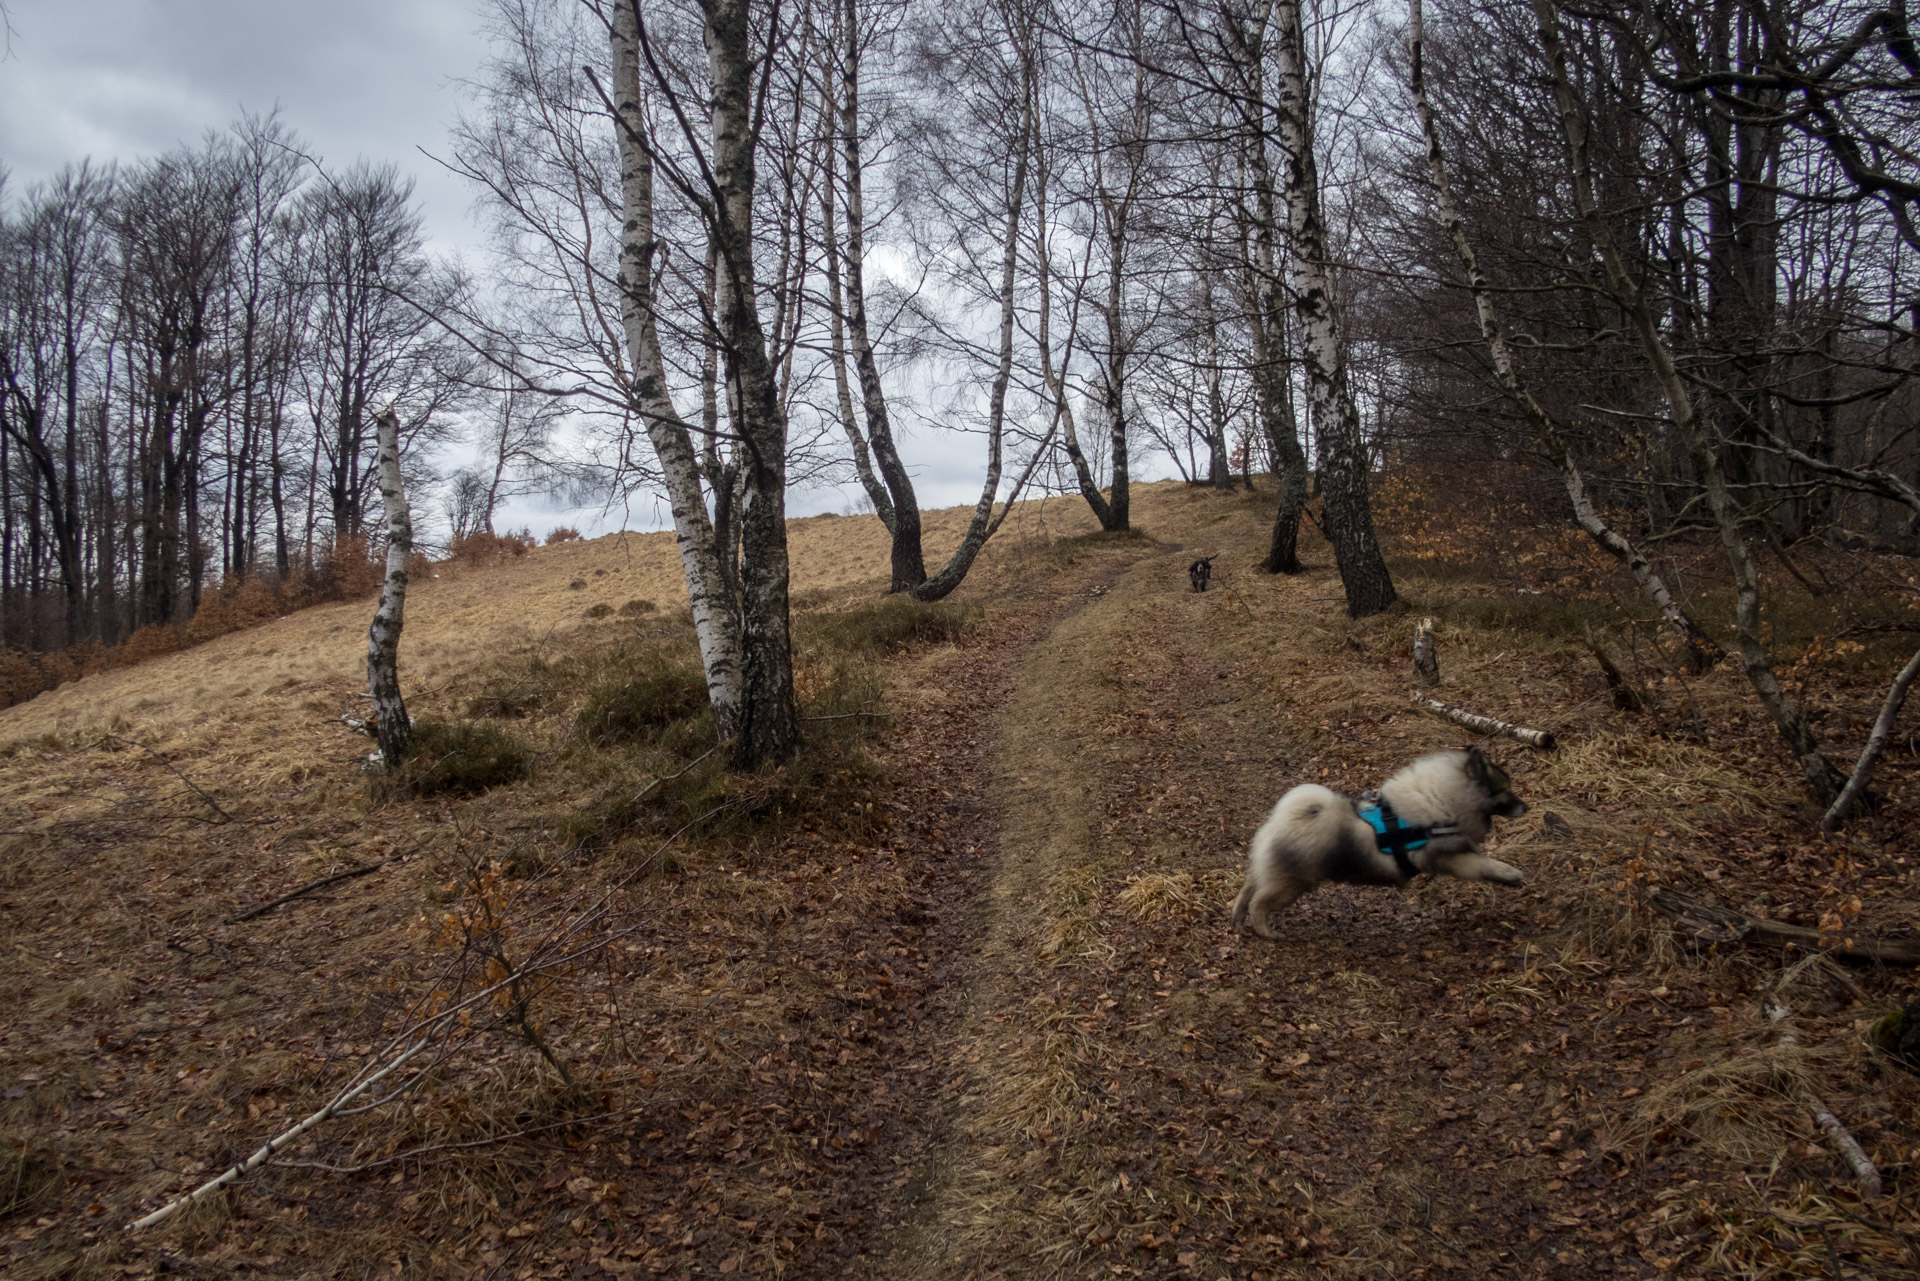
(954, 994)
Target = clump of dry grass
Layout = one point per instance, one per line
(461, 758)
(1158, 894)
(1634, 770)
(1800, 1231)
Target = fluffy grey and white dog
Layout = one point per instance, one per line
(1431, 817)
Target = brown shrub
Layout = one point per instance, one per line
(563, 534)
(483, 547)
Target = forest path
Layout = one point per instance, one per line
(1402, 1086)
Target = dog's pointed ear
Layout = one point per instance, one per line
(1476, 765)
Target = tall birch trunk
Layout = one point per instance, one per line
(981, 527)
(390, 722)
(837, 353)
(909, 560)
(1219, 466)
(1343, 454)
(1055, 379)
(1114, 382)
(767, 725)
(715, 620)
(1824, 782)
(1696, 646)
(1267, 322)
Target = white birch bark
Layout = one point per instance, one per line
(715, 617)
(391, 724)
(768, 725)
(837, 352)
(1479, 724)
(1343, 456)
(909, 560)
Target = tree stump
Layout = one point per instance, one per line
(1426, 654)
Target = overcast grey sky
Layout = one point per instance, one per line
(122, 79)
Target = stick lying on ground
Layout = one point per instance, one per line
(308, 888)
(557, 951)
(1486, 724)
(1713, 924)
(1837, 1134)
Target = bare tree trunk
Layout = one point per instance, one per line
(909, 560)
(1114, 384)
(837, 352)
(1219, 466)
(1273, 381)
(1696, 646)
(391, 725)
(1343, 454)
(981, 527)
(716, 623)
(1056, 378)
(1823, 780)
(768, 727)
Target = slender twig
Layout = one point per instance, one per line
(668, 778)
(198, 790)
(411, 1153)
(306, 889)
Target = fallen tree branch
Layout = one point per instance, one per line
(1864, 1172)
(1856, 788)
(308, 888)
(1486, 724)
(551, 953)
(1714, 924)
(274, 1144)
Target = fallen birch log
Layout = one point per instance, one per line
(1486, 724)
(1711, 923)
(1864, 1171)
(265, 1154)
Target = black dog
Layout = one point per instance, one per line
(1199, 572)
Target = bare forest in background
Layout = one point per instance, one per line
(1646, 267)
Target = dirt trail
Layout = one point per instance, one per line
(1398, 1085)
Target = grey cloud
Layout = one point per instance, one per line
(120, 79)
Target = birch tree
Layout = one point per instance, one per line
(745, 644)
(1343, 453)
(392, 726)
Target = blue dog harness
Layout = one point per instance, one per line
(1397, 839)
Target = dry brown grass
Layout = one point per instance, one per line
(1124, 1065)
(121, 877)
